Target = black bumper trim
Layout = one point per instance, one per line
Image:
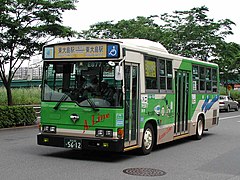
(114, 145)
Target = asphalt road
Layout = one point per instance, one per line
(216, 156)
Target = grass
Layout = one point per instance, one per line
(22, 96)
(29, 96)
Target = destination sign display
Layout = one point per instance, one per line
(75, 51)
(80, 51)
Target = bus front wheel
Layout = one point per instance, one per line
(147, 140)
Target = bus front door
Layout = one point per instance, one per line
(181, 102)
(131, 105)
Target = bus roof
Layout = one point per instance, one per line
(144, 43)
(155, 48)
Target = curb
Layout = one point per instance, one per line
(20, 127)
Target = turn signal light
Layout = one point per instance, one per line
(120, 133)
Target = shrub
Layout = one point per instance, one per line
(235, 94)
(11, 116)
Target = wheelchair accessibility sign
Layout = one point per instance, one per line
(112, 51)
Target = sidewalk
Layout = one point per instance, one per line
(20, 127)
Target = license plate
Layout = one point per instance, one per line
(73, 143)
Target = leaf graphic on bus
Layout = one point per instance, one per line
(205, 103)
(210, 104)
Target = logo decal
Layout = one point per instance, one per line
(74, 118)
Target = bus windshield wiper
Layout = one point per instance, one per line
(63, 98)
(92, 104)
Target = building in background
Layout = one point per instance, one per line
(31, 70)
(37, 72)
(28, 73)
(21, 73)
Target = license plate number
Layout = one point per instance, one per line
(73, 143)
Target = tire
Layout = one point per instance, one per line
(236, 109)
(228, 108)
(147, 140)
(200, 128)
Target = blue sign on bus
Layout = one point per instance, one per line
(112, 51)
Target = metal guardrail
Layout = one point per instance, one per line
(24, 83)
(37, 110)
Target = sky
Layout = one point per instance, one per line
(94, 11)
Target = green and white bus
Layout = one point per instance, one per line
(123, 94)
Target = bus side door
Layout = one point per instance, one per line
(181, 102)
(131, 122)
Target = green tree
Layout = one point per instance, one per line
(228, 59)
(193, 34)
(140, 27)
(188, 33)
(26, 25)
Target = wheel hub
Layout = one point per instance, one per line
(147, 138)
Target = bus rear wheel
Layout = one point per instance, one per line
(200, 128)
(147, 140)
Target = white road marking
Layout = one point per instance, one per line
(230, 117)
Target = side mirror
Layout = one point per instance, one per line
(111, 63)
(119, 73)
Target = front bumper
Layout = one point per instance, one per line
(113, 145)
(223, 107)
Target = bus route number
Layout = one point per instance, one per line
(73, 143)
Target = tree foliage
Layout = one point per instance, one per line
(193, 34)
(229, 61)
(188, 33)
(141, 27)
(26, 25)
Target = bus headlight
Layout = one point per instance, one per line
(109, 133)
(99, 133)
(49, 129)
(104, 133)
(52, 129)
(45, 128)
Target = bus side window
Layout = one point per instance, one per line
(162, 73)
(169, 74)
(150, 73)
(208, 79)
(214, 80)
(195, 76)
(165, 73)
(202, 79)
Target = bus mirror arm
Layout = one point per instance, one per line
(123, 89)
(120, 63)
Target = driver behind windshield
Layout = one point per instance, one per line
(107, 92)
(93, 85)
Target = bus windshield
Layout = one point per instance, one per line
(85, 83)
